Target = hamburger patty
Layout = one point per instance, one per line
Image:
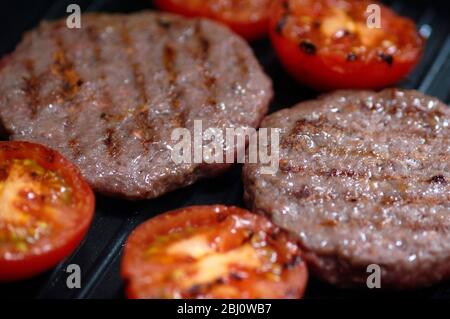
(109, 95)
(364, 179)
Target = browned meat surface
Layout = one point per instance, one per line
(364, 179)
(108, 95)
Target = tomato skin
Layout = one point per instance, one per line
(27, 265)
(325, 72)
(13, 270)
(249, 29)
(134, 268)
(319, 74)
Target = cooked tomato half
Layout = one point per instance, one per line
(328, 44)
(249, 18)
(212, 252)
(45, 209)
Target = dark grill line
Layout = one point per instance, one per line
(284, 167)
(139, 77)
(94, 39)
(209, 80)
(241, 61)
(32, 87)
(70, 85)
(111, 143)
(342, 151)
(385, 201)
(378, 224)
(320, 126)
(145, 130)
(169, 61)
(75, 147)
(64, 68)
(323, 125)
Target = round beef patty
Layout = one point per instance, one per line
(109, 95)
(363, 179)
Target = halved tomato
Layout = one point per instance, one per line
(249, 18)
(329, 44)
(45, 209)
(212, 252)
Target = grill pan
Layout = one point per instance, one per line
(100, 252)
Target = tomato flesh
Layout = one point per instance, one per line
(328, 44)
(249, 18)
(45, 209)
(212, 252)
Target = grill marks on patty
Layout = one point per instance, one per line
(32, 87)
(64, 68)
(363, 180)
(354, 175)
(169, 58)
(303, 137)
(71, 82)
(145, 130)
(203, 54)
(119, 87)
(112, 144)
(241, 62)
(398, 184)
(139, 77)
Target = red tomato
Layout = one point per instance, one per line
(45, 209)
(249, 18)
(212, 252)
(327, 44)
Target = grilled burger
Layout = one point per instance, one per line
(363, 179)
(109, 95)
